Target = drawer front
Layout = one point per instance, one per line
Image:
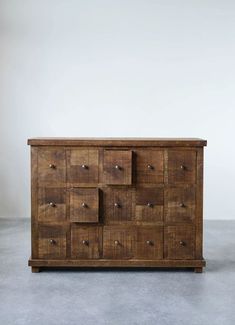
(119, 242)
(52, 242)
(181, 166)
(149, 166)
(51, 167)
(84, 205)
(149, 242)
(149, 204)
(118, 204)
(117, 167)
(51, 204)
(179, 242)
(82, 166)
(180, 204)
(86, 242)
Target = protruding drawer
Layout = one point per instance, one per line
(149, 242)
(149, 204)
(119, 242)
(181, 166)
(180, 204)
(86, 241)
(118, 204)
(149, 166)
(179, 242)
(52, 241)
(51, 204)
(51, 167)
(117, 167)
(84, 205)
(82, 166)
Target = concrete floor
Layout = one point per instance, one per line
(117, 297)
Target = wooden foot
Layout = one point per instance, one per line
(198, 269)
(35, 269)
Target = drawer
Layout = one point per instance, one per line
(117, 167)
(149, 166)
(181, 166)
(52, 241)
(51, 167)
(86, 241)
(180, 204)
(179, 242)
(118, 204)
(149, 242)
(119, 242)
(51, 204)
(149, 204)
(84, 205)
(82, 166)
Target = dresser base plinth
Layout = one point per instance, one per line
(197, 265)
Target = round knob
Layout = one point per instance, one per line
(149, 204)
(85, 242)
(117, 167)
(116, 242)
(84, 205)
(117, 205)
(149, 242)
(182, 243)
(52, 241)
(182, 205)
(150, 167)
(182, 167)
(52, 204)
(84, 166)
(52, 166)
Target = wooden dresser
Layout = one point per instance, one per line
(116, 202)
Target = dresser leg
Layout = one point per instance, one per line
(35, 269)
(198, 269)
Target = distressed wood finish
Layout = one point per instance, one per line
(117, 202)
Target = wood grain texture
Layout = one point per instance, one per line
(84, 205)
(149, 204)
(117, 167)
(51, 204)
(181, 166)
(149, 242)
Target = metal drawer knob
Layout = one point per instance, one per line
(84, 166)
(117, 205)
(84, 205)
(149, 242)
(116, 242)
(52, 241)
(182, 243)
(52, 204)
(85, 242)
(118, 167)
(52, 166)
(182, 167)
(182, 205)
(149, 204)
(150, 167)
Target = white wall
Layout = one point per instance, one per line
(117, 68)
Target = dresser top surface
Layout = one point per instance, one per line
(119, 142)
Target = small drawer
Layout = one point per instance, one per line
(52, 241)
(119, 242)
(86, 241)
(117, 167)
(181, 166)
(51, 167)
(84, 205)
(149, 166)
(118, 204)
(149, 204)
(51, 204)
(82, 166)
(179, 242)
(180, 204)
(149, 242)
